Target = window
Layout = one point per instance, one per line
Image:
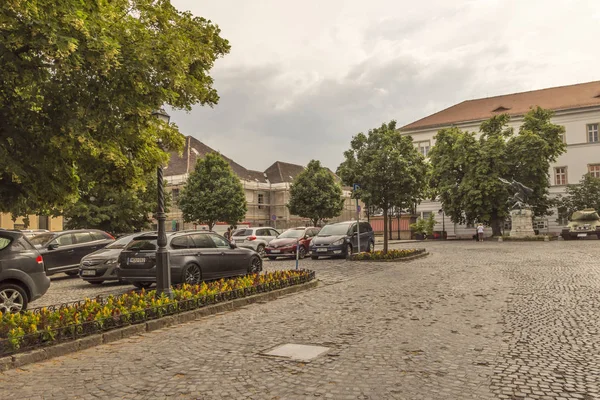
(4, 242)
(592, 133)
(219, 241)
(263, 232)
(424, 147)
(560, 175)
(180, 242)
(82, 237)
(43, 222)
(202, 241)
(99, 236)
(243, 232)
(594, 170)
(273, 232)
(562, 137)
(261, 200)
(365, 227)
(65, 240)
(175, 195)
(539, 224)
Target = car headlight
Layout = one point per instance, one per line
(112, 261)
(338, 242)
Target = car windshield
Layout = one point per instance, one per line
(243, 232)
(122, 242)
(42, 239)
(142, 244)
(334, 230)
(292, 234)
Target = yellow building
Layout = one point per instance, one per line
(35, 222)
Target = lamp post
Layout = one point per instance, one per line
(163, 268)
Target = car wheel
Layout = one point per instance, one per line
(12, 298)
(255, 265)
(72, 273)
(96, 282)
(272, 258)
(261, 250)
(192, 274)
(371, 247)
(142, 285)
(314, 257)
(301, 252)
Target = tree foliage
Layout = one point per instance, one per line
(78, 83)
(116, 211)
(585, 194)
(389, 169)
(213, 193)
(466, 168)
(315, 194)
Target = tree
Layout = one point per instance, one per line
(78, 83)
(113, 210)
(389, 169)
(465, 169)
(315, 194)
(577, 197)
(213, 193)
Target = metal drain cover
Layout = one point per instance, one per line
(297, 352)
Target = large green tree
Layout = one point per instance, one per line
(389, 169)
(78, 83)
(113, 210)
(585, 194)
(315, 194)
(213, 193)
(466, 168)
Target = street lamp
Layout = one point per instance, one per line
(163, 268)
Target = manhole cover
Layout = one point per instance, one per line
(297, 352)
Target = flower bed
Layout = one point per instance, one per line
(536, 238)
(48, 325)
(391, 255)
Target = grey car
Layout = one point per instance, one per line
(341, 240)
(22, 272)
(194, 256)
(101, 265)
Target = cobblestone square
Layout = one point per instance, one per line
(470, 321)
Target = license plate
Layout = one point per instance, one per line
(240, 241)
(88, 272)
(275, 251)
(137, 260)
(322, 249)
(581, 234)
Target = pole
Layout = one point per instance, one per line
(163, 269)
(358, 225)
(443, 225)
(297, 251)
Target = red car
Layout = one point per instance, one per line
(285, 244)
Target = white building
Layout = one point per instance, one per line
(576, 107)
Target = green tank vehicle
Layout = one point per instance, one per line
(583, 223)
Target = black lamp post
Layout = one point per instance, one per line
(163, 268)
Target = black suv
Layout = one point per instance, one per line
(194, 256)
(22, 275)
(63, 251)
(341, 239)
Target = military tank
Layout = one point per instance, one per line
(582, 224)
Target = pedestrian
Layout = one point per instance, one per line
(480, 232)
(228, 234)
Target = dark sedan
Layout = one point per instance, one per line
(63, 251)
(194, 256)
(290, 241)
(101, 265)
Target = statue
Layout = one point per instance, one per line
(521, 193)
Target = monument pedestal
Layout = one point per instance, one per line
(522, 223)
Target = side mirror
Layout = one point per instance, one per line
(233, 245)
(53, 246)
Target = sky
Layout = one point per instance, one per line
(303, 78)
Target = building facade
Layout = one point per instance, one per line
(35, 222)
(267, 192)
(576, 107)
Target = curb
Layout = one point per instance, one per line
(403, 259)
(42, 354)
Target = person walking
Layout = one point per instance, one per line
(480, 232)
(228, 234)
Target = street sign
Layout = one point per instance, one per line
(358, 208)
(273, 217)
(355, 187)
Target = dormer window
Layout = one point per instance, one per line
(501, 109)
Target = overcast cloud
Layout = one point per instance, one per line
(303, 77)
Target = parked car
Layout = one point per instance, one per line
(341, 239)
(22, 275)
(101, 265)
(256, 239)
(33, 232)
(63, 251)
(194, 256)
(285, 245)
(583, 223)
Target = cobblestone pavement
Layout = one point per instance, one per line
(472, 320)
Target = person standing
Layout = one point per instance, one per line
(480, 232)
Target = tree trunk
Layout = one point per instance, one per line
(398, 218)
(390, 226)
(315, 222)
(385, 230)
(497, 224)
(210, 225)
